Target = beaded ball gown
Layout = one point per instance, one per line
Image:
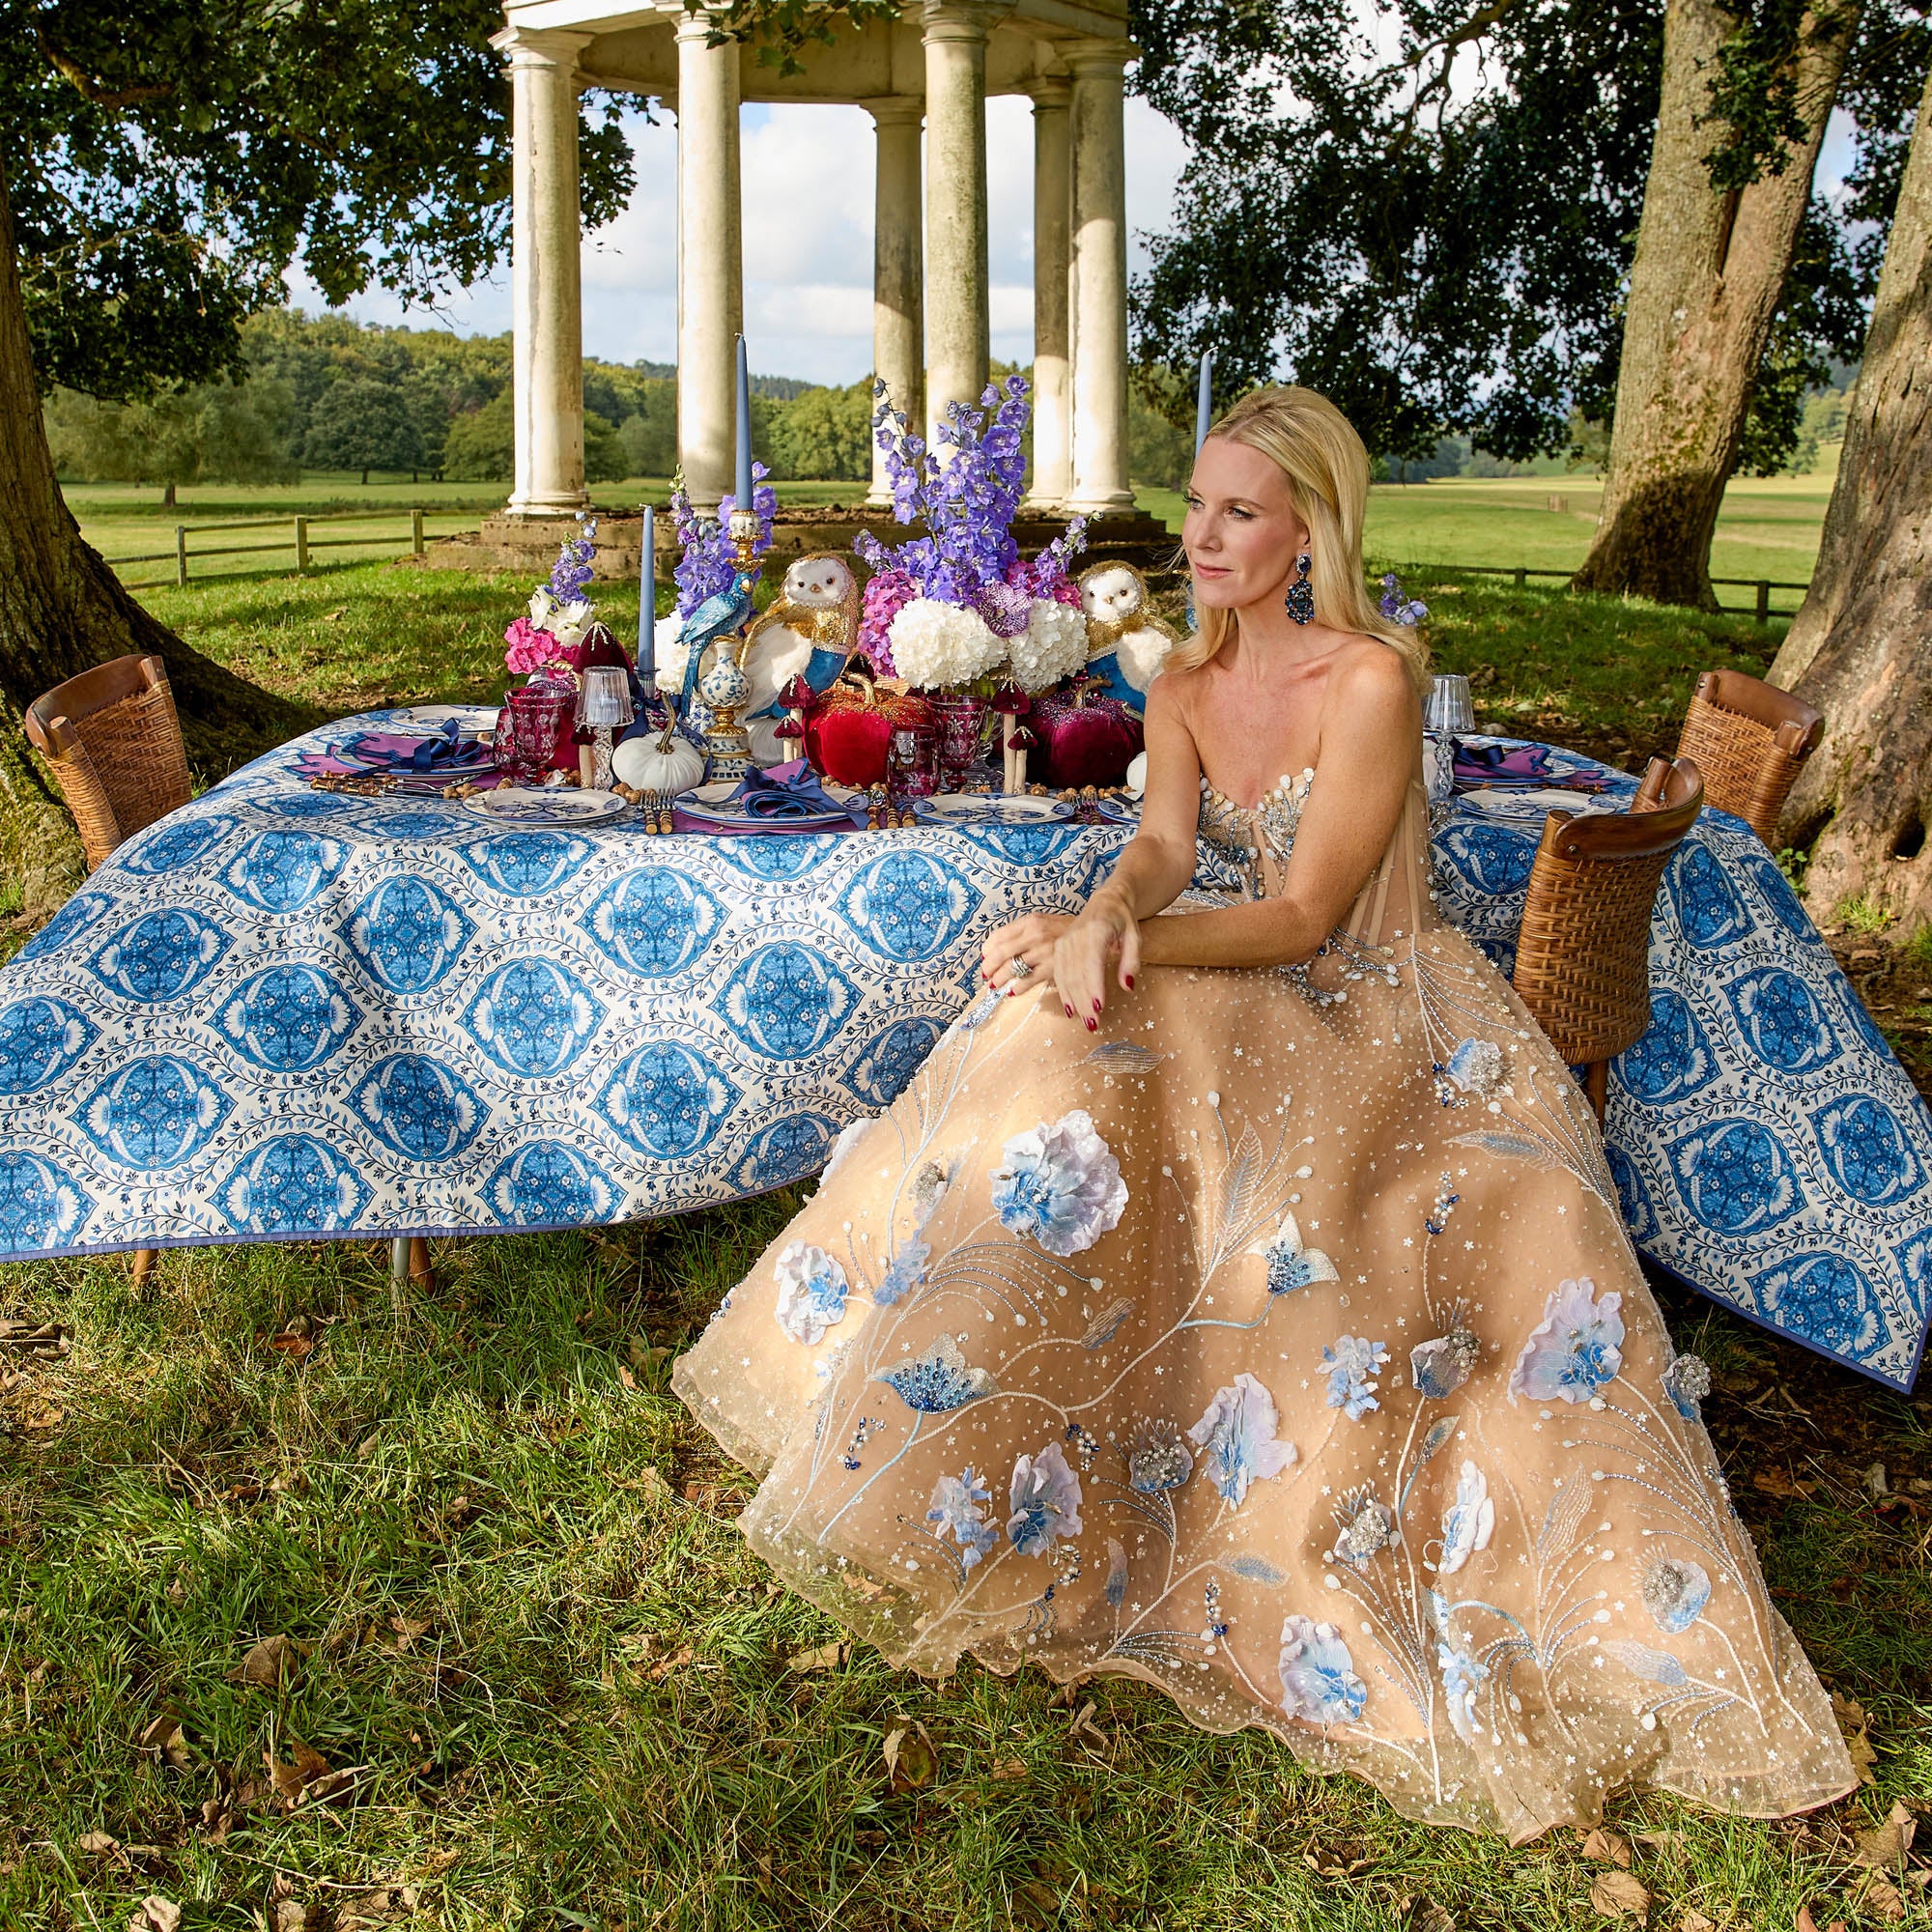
(1280, 1345)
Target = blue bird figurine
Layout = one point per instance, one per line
(716, 617)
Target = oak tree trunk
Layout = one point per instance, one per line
(1861, 649)
(63, 609)
(1709, 269)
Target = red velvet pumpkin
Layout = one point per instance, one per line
(848, 727)
(1084, 740)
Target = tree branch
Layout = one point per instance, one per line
(93, 89)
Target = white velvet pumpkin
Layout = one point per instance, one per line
(665, 763)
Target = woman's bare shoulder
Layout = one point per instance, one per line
(1369, 670)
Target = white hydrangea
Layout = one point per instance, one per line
(567, 623)
(671, 654)
(1052, 646)
(939, 646)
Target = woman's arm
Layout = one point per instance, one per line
(1152, 871)
(1371, 723)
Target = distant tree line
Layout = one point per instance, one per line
(327, 393)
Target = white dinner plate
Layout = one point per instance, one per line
(549, 804)
(712, 805)
(965, 808)
(1485, 798)
(478, 721)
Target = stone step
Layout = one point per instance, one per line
(527, 546)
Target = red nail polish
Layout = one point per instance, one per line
(1130, 982)
(1070, 1012)
(1093, 1025)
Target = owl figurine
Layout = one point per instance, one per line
(809, 631)
(1126, 643)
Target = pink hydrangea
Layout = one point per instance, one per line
(529, 648)
(887, 593)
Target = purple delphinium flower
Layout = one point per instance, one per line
(572, 570)
(966, 501)
(709, 559)
(1399, 610)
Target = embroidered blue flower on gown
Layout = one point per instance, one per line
(1687, 1381)
(1369, 1528)
(1290, 1264)
(938, 1379)
(811, 1293)
(1349, 1364)
(903, 1272)
(1237, 1435)
(1476, 1067)
(1061, 1184)
(1318, 1675)
(1675, 1591)
(1045, 1502)
(1442, 1365)
(1575, 1349)
(1468, 1523)
(1463, 1678)
(955, 1509)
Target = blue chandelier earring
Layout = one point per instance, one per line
(1299, 603)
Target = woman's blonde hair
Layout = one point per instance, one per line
(1317, 450)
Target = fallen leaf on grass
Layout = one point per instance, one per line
(1432, 1917)
(911, 1760)
(1083, 1724)
(407, 1630)
(826, 1656)
(100, 1843)
(1695, 1922)
(1886, 1845)
(646, 1356)
(268, 1664)
(1329, 1865)
(1855, 1726)
(1616, 1895)
(625, 1377)
(1009, 1769)
(308, 1779)
(1806, 1923)
(163, 1736)
(1607, 1848)
(1882, 1898)
(1778, 1483)
(290, 1915)
(663, 1668)
(332, 616)
(156, 1914)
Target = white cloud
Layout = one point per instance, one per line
(808, 176)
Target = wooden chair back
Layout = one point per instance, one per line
(115, 744)
(1749, 740)
(1583, 961)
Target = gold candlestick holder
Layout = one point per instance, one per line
(724, 687)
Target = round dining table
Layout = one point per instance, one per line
(284, 1014)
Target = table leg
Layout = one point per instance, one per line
(1597, 1085)
(144, 1266)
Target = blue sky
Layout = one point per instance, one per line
(807, 185)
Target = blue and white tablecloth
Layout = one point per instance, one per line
(285, 1014)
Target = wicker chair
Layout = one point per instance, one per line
(1748, 739)
(1583, 961)
(116, 747)
(115, 744)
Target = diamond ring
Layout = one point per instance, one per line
(1021, 969)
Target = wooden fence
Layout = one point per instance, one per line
(1521, 575)
(298, 541)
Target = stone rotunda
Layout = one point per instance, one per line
(931, 69)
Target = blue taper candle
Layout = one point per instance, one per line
(647, 601)
(1204, 404)
(741, 489)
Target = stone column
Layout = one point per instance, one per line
(956, 323)
(1052, 368)
(710, 260)
(546, 297)
(898, 323)
(1099, 279)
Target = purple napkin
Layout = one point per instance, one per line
(1525, 767)
(786, 791)
(444, 754)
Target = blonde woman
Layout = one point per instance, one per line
(1237, 1300)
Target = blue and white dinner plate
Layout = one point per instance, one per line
(1118, 810)
(713, 804)
(550, 804)
(474, 721)
(963, 808)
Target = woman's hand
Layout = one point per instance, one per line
(1019, 957)
(1106, 934)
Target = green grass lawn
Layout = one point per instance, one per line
(532, 1677)
(1769, 527)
